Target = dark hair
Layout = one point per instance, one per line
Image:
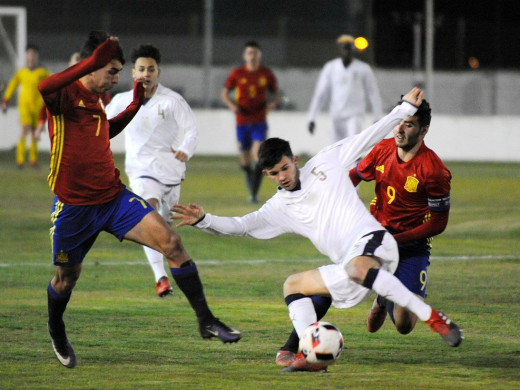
(146, 51)
(424, 113)
(252, 44)
(96, 38)
(32, 46)
(271, 152)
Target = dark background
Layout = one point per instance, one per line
(486, 29)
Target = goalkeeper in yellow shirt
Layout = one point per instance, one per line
(30, 103)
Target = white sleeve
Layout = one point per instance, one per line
(186, 121)
(354, 148)
(258, 224)
(321, 92)
(373, 94)
(115, 106)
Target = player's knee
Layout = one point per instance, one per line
(404, 321)
(290, 286)
(358, 267)
(66, 281)
(171, 245)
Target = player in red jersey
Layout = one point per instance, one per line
(90, 197)
(251, 83)
(412, 202)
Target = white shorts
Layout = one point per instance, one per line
(167, 195)
(343, 290)
(346, 127)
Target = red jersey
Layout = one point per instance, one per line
(251, 93)
(82, 169)
(406, 192)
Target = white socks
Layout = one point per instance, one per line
(156, 262)
(391, 288)
(302, 314)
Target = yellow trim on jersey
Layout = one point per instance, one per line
(58, 122)
(54, 217)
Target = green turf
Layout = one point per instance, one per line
(126, 338)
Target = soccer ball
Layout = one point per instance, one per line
(321, 343)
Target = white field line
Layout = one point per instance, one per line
(259, 261)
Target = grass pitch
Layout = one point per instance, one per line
(127, 338)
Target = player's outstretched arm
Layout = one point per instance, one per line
(99, 58)
(120, 121)
(187, 214)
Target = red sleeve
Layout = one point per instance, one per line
(354, 177)
(119, 122)
(434, 226)
(99, 58)
(231, 80)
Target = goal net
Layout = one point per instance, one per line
(13, 39)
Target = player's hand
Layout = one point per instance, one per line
(139, 90)
(187, 214)
(105, 52)
(179, 154)
(271, 106)
(414, 97)
(235, 108)
(4, 106)
(311, 127)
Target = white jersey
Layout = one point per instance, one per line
(165, 121)
(327, 209)
(346, 89)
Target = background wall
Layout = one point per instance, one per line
(462, 138)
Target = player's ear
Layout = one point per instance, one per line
(424, 130)
(264, 172)
(133, 73)
(296, 160)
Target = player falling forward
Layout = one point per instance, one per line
(90, 197)
(321, 203)
(159, 140)
(251, 82)
(412, 202)
(29, 103)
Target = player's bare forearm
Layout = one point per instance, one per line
(187, 214)
(224, 94)
(276, 100)
(101, 56)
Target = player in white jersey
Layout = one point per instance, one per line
(320, 202)
(345, 83)
(158, 142)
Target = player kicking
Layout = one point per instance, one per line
(321, 203)
(156, 151)
(90, 197)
